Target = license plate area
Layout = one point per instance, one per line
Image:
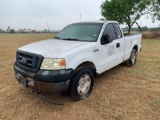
(23, 80)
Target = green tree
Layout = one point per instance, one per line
(154, 9)
(145, 28)
(129, 11)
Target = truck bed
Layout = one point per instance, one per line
(130, 34)
(131, 39)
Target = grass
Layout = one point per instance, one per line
(151, 35)
(121, 93)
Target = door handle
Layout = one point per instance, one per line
(117, 45)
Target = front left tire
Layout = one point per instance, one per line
(81, 84)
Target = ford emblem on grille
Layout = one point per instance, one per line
(24, 61)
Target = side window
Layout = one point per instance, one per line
(110, 31)
(118, 31)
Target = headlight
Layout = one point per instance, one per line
(53, 64)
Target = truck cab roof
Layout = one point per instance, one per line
(103, 21)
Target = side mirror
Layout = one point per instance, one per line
(105, 39)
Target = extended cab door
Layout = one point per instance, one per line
(108, 51)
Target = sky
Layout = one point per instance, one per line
(35, 14)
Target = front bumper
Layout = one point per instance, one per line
(45, 80)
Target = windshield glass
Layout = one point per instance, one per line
(88, 32)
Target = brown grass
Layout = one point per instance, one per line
(121, 93)
(151, 35)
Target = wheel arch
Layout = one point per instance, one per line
(87, 64)
(136, 47)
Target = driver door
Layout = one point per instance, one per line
(108, 51)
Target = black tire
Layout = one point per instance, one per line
(133, 58)
(81, 75)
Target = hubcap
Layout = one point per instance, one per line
(84, 85)
(133, 58)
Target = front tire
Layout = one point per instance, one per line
(81, 84)
(133, 58)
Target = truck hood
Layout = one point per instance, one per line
(52, 48)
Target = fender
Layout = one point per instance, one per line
(78, 56)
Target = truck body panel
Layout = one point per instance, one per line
(52, 48)
(75, 52)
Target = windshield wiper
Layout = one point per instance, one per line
(70, 39)
(66, 38)
(57, 37)
(74, 39)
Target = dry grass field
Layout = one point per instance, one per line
(121, 93)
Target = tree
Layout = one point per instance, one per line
(145, 28)
(154, 9)
(12, 31)
(129, 11)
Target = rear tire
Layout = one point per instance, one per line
(133, 58)
(81, 84)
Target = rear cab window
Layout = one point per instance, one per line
(117, 30)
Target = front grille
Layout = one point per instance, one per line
(29, 61)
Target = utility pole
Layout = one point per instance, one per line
(47, 26)
(80, 17)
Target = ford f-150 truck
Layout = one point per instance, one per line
(70, 61)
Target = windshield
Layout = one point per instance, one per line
(88, 32)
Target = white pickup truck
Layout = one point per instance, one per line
(70, 61)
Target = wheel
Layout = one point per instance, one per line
(81, 84)
(132, 60)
